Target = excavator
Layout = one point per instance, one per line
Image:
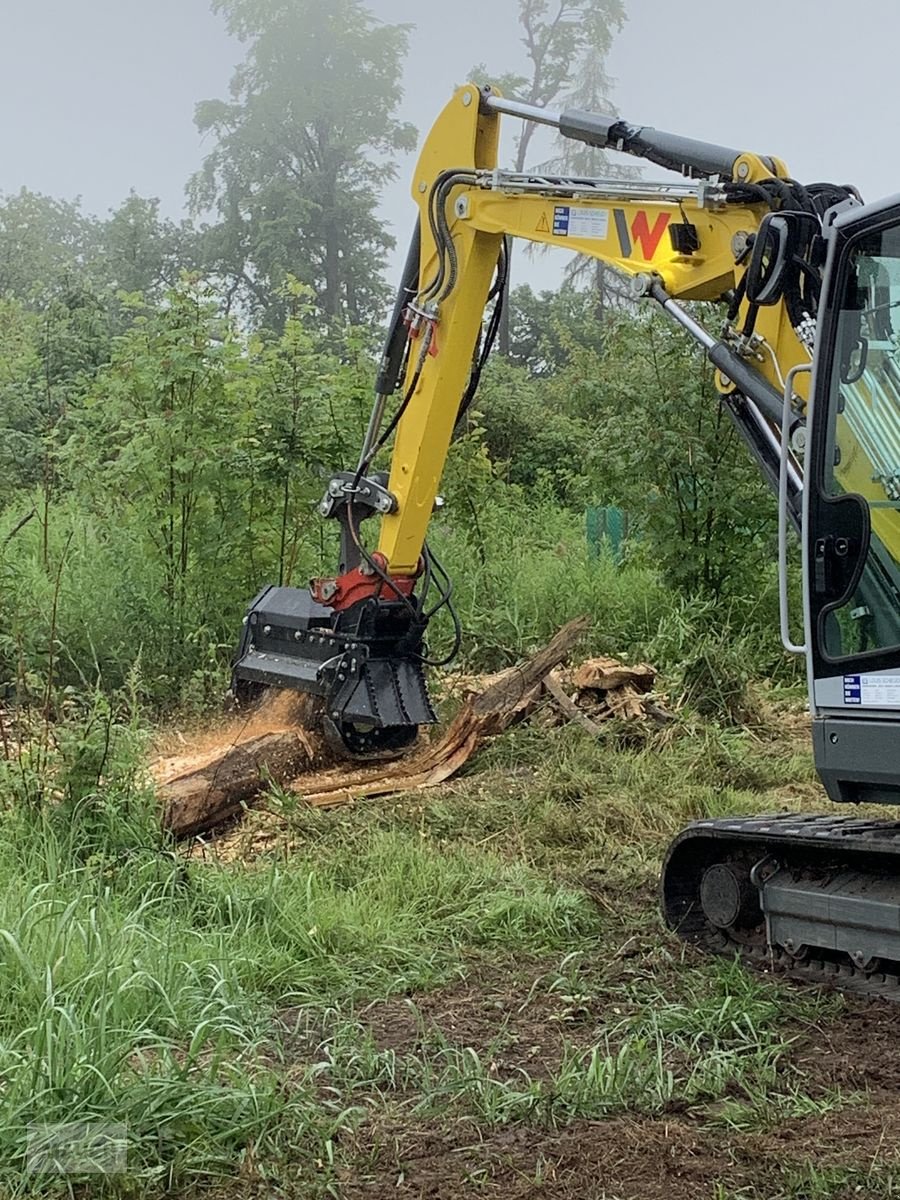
(806, 353)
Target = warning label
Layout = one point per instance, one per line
(543, 226)
(581, 222)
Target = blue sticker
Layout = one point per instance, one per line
(852, 689)
(561, 220)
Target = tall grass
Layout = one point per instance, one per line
(519, 574)
(139, 988)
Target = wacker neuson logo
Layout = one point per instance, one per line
(77, 1148)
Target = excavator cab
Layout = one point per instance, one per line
(852, 521)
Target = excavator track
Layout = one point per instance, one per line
(814, 898)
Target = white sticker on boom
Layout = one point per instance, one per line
(874, 691)
(581, 222)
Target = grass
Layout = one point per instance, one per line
(144, 988)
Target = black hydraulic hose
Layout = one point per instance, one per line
(395, 343)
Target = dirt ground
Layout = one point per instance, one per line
(674, 1156)
(510, 1018)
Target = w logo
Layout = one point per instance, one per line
(640, 233)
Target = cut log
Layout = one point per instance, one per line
(217, 791)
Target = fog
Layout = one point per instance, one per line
(97, 95)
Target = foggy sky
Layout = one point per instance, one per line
(97, 96)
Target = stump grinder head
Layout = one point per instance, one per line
(364, 661)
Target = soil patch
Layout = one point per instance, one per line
(858, 1051)
(640, 1158)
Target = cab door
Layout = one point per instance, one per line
(852, 511)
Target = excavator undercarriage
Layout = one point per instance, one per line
(815, 897)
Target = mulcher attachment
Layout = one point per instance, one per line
(364, 661)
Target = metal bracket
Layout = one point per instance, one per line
(343, 488)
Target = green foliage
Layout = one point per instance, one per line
(673, 459)
(142, 252)
(546, 456)
(548, 329)
(44, 244)
(50, 250)
(20, 399)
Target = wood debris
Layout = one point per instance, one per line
(602, 688)
(218, 784)
(509, 697)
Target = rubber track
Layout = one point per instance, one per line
(841, 836)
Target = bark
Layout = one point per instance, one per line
(219, 790)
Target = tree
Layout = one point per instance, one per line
(21, 374)
(302, 148)
(149, 444)
(671, 456)
(547, 329)
(530, 443)
(142, 252)
(45, 245)
(301, 409)
(566, 43)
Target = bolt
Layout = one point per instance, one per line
(739, 243)
(298, 636)
(267, 629)
(743, 170)
(423, 186)
(833, 739)
(467, 98)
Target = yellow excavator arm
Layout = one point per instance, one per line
(685, 239)
(737, 230)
